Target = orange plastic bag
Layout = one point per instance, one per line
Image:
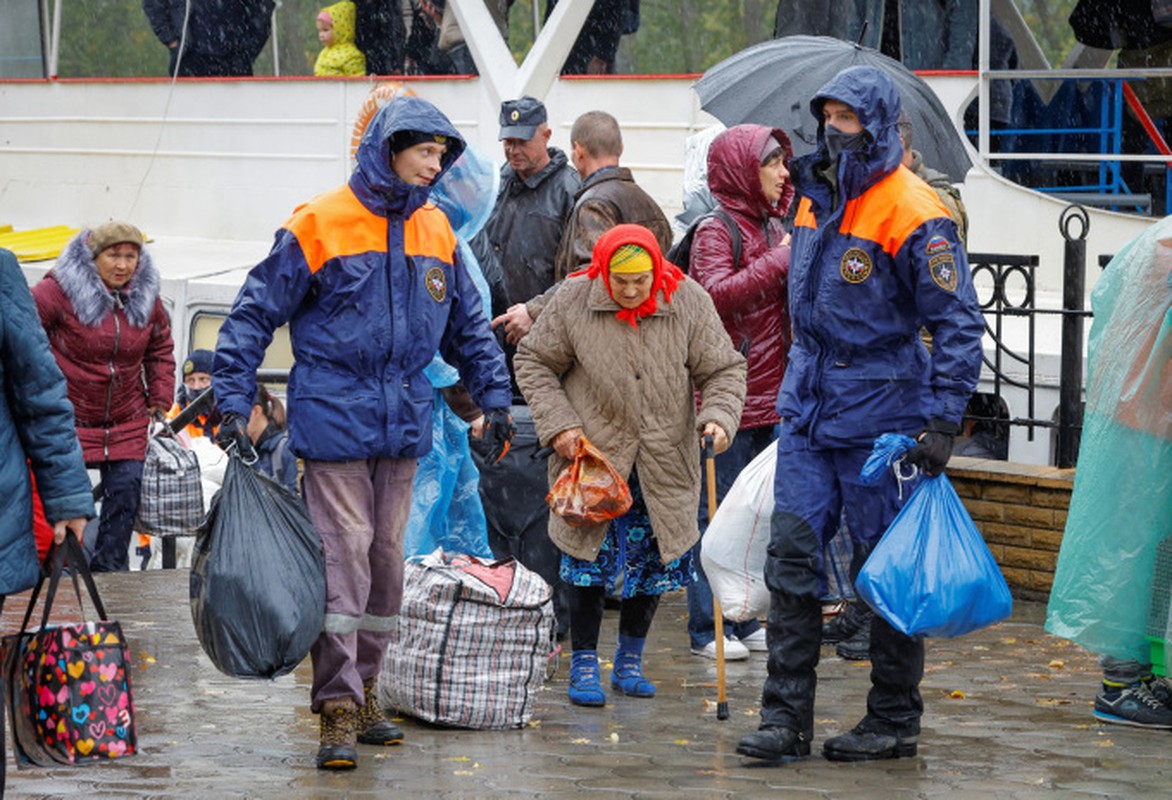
(589, 490)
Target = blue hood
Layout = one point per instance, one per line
(875, 99)
(374, 182)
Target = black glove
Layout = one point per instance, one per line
(233, 433)
(934, 446)
(498, 433)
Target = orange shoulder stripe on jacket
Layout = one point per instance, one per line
(893, 208)
(888, 212)
(351, 228)
(804, 218)
(427, 233)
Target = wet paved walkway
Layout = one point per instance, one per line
(1008, 716)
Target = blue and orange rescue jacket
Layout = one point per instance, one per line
(868, 269)
(370, 281)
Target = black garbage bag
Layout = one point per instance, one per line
(258, 585)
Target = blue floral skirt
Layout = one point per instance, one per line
(630, 556)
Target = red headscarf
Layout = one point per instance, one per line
(665, 276)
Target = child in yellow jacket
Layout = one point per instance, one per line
(335, 30)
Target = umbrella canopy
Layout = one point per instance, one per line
(771, 84)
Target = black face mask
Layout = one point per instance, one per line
(838, 142)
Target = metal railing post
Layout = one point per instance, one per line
(1073, 290)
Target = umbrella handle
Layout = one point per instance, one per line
(717, 613)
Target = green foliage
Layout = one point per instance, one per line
(1048, 21)
(689, 36)
(111, 38)
(108, 38)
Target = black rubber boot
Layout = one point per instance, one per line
(787, 701)
(845, 624)
(774, 744)
(894, 705)
(869, 741)
(857, 646)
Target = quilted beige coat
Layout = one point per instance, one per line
(631, 391)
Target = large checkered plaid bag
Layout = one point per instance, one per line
(471, 642)
(171, 503)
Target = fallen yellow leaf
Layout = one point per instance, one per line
(457, 758)
(956, 694)
(1057, 664)
(682, 741)
(579, 741)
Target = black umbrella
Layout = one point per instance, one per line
(771, 84)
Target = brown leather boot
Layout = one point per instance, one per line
(373, 725)
(339, 725)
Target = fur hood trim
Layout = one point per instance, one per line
(77, 275)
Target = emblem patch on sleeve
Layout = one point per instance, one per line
(943, 271)
(855, 265)
(437, 284)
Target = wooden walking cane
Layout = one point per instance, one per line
(717, 614)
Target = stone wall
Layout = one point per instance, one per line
(1020, 509)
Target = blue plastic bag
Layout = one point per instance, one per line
(932, 573)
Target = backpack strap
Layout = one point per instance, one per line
(734, 232)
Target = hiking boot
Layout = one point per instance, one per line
(1133, 705)
(373, 726)
(857, 647)
(866, 744)
(855, 617)
(339, 726)
(774, 744)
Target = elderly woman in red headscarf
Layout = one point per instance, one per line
(618, 357)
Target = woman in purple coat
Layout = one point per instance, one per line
(109, 332)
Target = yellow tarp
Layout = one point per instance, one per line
(36, 244)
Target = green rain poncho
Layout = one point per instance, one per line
(1122, 502)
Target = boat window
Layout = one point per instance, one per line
(205, 329)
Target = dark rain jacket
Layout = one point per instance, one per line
(527, 223)
(115, 349)
(865, 275)
(235, 30)
(370, 281)
(36, 428)
(750, 296)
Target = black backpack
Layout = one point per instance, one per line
(680, 253)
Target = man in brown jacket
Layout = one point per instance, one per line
(608, 197)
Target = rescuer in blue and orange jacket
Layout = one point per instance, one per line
(369, 279)
(875, 257)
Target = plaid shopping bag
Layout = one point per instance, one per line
(470, 644)
(68, 686)
(171, 503)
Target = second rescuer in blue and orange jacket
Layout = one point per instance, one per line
(874, 258)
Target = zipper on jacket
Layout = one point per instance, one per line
(113, 371)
